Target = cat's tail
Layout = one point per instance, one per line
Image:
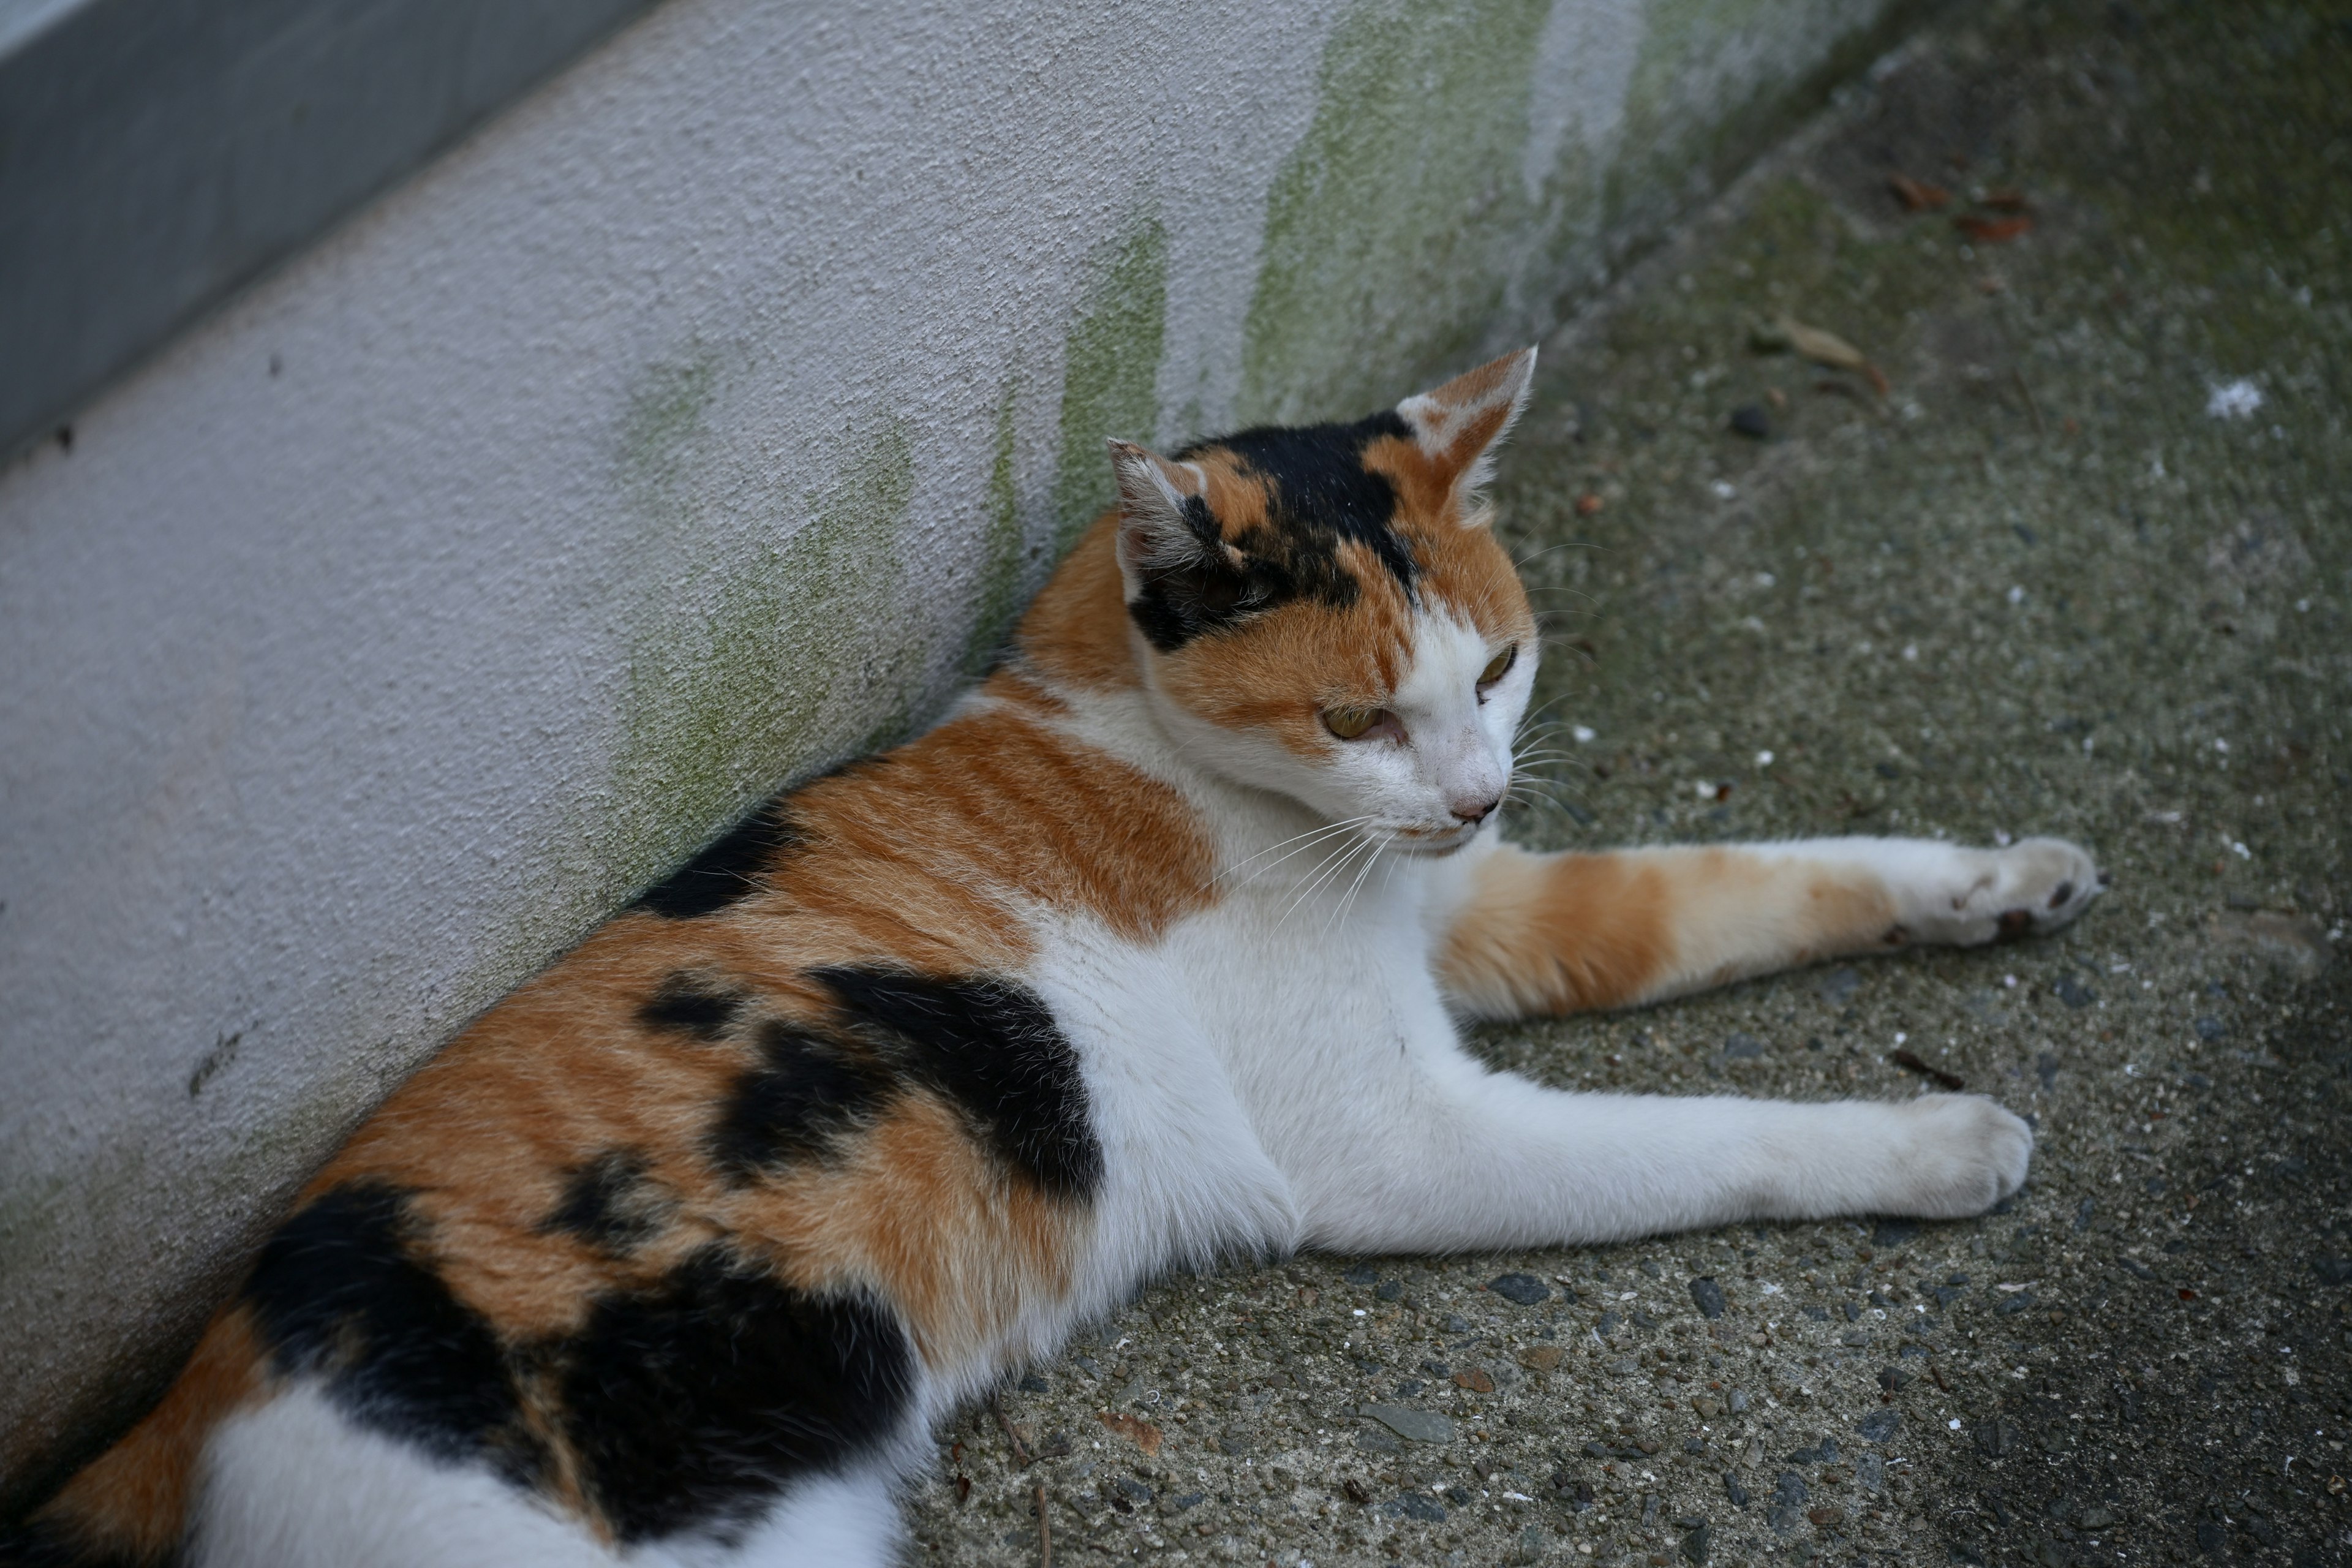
(131, 1507)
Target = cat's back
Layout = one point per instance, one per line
(791, 1147)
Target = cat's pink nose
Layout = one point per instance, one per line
(1475, 813)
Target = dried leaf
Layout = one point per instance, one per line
(1992, 230)
(1474, 1379)
(1142, 1434)
(1819, 344)
(1918, 196)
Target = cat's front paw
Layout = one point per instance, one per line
(1962, 1154)
(2032, 887)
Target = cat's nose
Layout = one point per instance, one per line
(1476, 813)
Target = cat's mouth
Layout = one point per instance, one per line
(1433, 841)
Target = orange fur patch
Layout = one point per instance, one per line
(1077, 632)
(1556, 933)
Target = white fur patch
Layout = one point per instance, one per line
(295, 1484)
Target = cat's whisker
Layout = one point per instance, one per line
(1347, 900)
(1316, 831)
(1304, 842)
(1313, 875)
(1532, 715)
(1524, 562)
(1550, 787)
(1327, 869)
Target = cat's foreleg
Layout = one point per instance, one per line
(1554, 934)
(1469, 1159)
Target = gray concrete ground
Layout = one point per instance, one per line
(2084, 567)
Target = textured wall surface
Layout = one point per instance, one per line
(701, 422)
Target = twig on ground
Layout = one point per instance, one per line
(2031, 407)
(1020, 1453)
(1910, 1058)
(1020, 1450)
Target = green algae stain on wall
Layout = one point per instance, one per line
(662, 428)
(1002, 555)
(1390, 227)
(1110, 376)
(757, 659)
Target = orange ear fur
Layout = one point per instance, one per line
(1458, 426)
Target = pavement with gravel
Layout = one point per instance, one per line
(2053, 537)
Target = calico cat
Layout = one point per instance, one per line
(1154, 950)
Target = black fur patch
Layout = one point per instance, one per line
(1320, 496)
(340, 1294)
(688, 1004)
(726, 869)
(612, 1204)
(993, 1048)
(43, 1544)
(806, 1090)
(691, 1404)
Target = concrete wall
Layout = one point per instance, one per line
(702, 421)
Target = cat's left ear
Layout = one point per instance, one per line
(1458, 426)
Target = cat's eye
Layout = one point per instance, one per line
(1499, 666)
(1351, 723)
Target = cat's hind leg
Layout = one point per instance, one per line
(844, 1520)
(1527, 933)
(296, 1482)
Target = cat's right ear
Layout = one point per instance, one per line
(1165, 528)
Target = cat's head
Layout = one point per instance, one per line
(1326, 612)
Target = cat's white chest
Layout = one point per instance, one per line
(1308, 1002)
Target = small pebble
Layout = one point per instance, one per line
(1523, 1289)
(2072, 992)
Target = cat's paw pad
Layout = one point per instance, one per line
(1964, 1154)
(2032, 887)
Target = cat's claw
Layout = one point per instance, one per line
(1966, 1154)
